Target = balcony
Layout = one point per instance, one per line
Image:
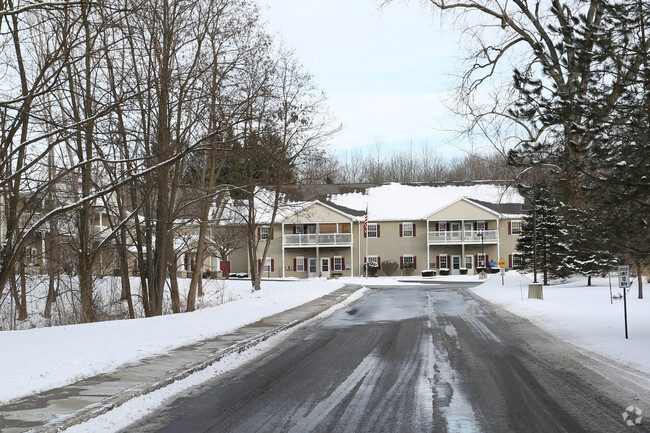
(312, 240)
(466, 237)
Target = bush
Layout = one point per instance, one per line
(444, 271)
(372, 269)
(389, 267)
(428, 273)
(409, 268)
(463, 271)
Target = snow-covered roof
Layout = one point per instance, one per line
(397, 202)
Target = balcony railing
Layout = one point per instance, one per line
(318, 239)
(467, 236)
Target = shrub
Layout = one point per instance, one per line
(409, 268)
(389, 267)
(372, 269)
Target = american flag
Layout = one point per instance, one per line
(365, 223)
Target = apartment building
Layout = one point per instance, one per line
(450, 229)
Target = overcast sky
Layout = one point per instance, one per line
(386, 72)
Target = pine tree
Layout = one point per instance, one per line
(544, 237)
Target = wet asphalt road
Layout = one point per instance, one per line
(417, 358)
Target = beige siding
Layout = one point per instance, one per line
(390, 246)
(462, 210)
(316, 213)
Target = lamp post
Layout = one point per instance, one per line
(481, 235)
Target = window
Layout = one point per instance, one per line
(517, 261)
(480, 260)
(373, 231)
(300, 264)
(443, 262)
(265, 231)
(407, 230)
(515, 227)
(268, 265)
(300, 230)
(408, 261)
(442, 226)
(480, 226)
(338, 263)
(468, 262)
(373, 260)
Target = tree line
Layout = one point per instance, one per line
(143, 110)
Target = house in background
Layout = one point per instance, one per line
(449, 228)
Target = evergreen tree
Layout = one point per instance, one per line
(544, 237)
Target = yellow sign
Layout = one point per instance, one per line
(502, 263)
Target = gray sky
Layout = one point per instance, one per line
(385, 71)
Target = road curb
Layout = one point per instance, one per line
(103, 406)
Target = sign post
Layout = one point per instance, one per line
(502, 265)
(624, 283)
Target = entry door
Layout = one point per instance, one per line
(325, 267)
(455, 265)
(313, 268)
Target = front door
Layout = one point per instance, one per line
(325, 267)
(313, 268)
(455, 265)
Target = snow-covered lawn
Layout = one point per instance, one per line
(43, 358)
(582, 315)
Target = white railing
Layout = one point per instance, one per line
(467, 236)
(320, 239)
(300, 239)
(335, 239)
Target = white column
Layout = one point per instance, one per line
(282, 233)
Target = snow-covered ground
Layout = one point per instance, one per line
(44, 358)
(582, 315)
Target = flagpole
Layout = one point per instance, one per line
(365, 234)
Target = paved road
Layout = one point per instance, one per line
(412, 359)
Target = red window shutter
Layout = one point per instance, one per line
(510, 261)
(259, 264)
(342, 263)
(448, 227)
(438, 262)
(476, 261)
(365, 260)
(259, 232)
(379, 263)
(415, 262)
(304, 264)
(377, 230)
(487, 261)
(413, 229)
(449, 262)
(475, 226)
(400, 231)
(294, 230)
(272, 265)
(486, 225)
(271, 230)
(294, 265)
(437, 227)
(401, 262)
(509, 227)
(331, 263)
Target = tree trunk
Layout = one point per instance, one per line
(51, 295)
(639, 277)
(173, 288)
